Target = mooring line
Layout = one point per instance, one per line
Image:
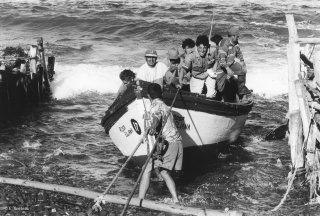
(294, 173)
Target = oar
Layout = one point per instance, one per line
(211, 24)
(125, 163)
(98, 202)
(146, 117)
(149, 157)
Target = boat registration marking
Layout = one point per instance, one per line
(125, 131)
(180, 122)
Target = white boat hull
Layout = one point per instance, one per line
(196, 128)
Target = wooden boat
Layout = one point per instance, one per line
(202, 122)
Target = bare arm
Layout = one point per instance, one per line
(153, 127)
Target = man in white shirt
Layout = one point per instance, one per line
(152, 71)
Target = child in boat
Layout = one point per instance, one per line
(169, 154)
(127, 76)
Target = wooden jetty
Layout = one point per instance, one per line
(175, 209)
(24, 78)
(304, 106)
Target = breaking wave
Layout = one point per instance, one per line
(72, 80)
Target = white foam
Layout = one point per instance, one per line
(32, 145)
(268, 80)
(72, 80)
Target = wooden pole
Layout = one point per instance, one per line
(175, 209)
(311, 144)
(303, 105)
(295, 127)
(43, 62)
(211, 24)
(33, 60)
(316, 66)
(125, 164)
(50, 67)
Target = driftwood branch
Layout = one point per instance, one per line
(118, 199)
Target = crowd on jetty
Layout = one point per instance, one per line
(214, 68)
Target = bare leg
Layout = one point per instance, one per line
(170, 184)
(144, 184)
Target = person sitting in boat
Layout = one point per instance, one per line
(231, 62)
(174, 63)
(152, 70)
(198, 63)
(169, 155)
(188, 48)
(228, 91)
(127, 77)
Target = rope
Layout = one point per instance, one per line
(149, 157)
(202, 144)
(294, 173)
(310, 54)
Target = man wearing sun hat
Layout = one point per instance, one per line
(174, 63)
(152, 70)
(231, 61)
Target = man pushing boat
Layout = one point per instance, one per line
(169, 153)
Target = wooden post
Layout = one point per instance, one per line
(316, 66)
(50, 68)
(33, 60)
(43, 62)
(303, 106)
(312, 157)
(295, 126)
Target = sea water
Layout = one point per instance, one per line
(93, 41)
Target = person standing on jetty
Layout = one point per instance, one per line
(152, 70)
(169, 154)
